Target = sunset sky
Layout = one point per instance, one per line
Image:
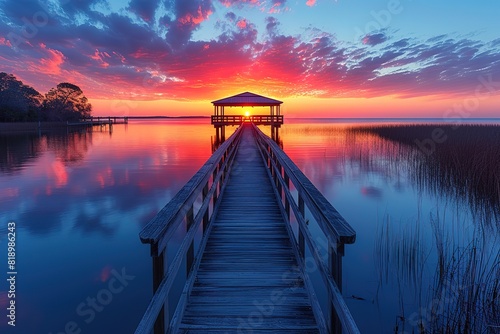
(323, 58)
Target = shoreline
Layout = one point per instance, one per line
(14, 127)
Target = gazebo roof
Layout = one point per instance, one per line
(247, 99)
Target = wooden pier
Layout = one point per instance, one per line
(101, 120)
(247, 253)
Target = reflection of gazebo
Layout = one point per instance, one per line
(247, 99)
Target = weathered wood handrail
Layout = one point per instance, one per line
(209, 183)
(334, 227)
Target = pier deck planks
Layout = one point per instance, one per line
(248, 281)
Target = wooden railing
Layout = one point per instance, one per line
(203, 190)
(336, 232)
(239, 119)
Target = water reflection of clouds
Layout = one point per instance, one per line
(429, 209)
(105, 273)
(112, 183)
(399, 186)
(371, 191)
(8, 193)
(94, 223)
(85, 200)
(330, 154)
(80, 207)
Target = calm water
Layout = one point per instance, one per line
(79, 201)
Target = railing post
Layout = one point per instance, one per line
(275, 174)
(223, 173)
(335, 253)
(190, 250)
(269, 152)
(287, 203)
(214, 184)
(158, 274)
(280, 172)
(206, 215)
(302, 244)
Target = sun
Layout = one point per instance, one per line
(247, 113)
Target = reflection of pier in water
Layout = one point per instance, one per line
(247, 247)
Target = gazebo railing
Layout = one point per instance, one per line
(239, 119)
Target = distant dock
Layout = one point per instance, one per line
(100, 120)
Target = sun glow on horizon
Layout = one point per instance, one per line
(293, 107)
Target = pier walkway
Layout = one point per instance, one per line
(247, 251)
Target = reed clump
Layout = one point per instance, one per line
(465, 297)
(462, 293)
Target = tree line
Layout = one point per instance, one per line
(22, 103)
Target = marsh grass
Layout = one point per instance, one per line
(464, 166)
(401, 259)
(462, 293)
(465, 293)
(445, 264)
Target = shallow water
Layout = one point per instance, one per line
(80, 199)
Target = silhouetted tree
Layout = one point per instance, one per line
(66, 102)
(18, 102)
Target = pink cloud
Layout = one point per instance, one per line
(51, 64)
(5, 42)
(242, 24)
(311, 3)
(99, 57)
(275, 8)
(229, 3)
(195, 19)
